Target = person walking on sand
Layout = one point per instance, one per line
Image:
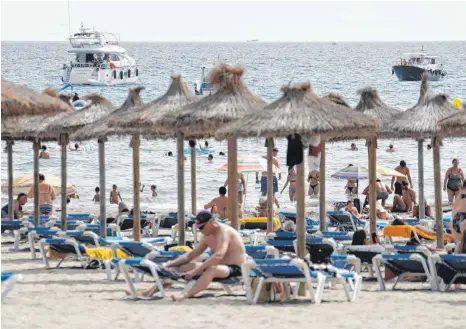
(228, 254)
(219, 205)
(44, 154)
(115, 196)
(292, 180)
(46, 195)
(403, 169)
(453, 181)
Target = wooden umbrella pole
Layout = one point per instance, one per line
(193, 181)
(181, 219)
(438, 192)
(9, 144)
(420, 155)
(36, 182)
(322, 182)
(372, 182)
(63, 144)
(269, 185)
(233, 182)
(136, 180)
(301, 210)
(103, 217)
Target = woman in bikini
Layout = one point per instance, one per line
(351, 187)
(454, 178)
(313, 180)
(458, 222)
(292, 180)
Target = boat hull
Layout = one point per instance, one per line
(414, 73)
(95, 76)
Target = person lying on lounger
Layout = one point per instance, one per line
(228, 254)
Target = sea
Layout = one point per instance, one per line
(343, 68)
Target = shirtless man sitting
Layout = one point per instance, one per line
(407, 202)
(228, 254)
(219, 205)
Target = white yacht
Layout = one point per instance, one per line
(99, 60)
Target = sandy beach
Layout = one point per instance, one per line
(72, 297)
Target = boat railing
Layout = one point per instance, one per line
(102, 65)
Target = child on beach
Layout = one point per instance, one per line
(153, 188)
(115, 196)
(97, 195)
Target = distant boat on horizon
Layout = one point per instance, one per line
(334, 43)
(253, 40)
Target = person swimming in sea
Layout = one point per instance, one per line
(210, 158)
(391, 148)
(292, 180)
(153, 189)
(353, 147)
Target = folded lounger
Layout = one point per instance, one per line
(412, 261)
(448, 270)
(9, 280)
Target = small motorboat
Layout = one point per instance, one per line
(413, 65)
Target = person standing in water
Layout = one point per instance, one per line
(391, 148)
(44, 154)
(453, 181)
(292, 180)
(353, 147)
(153, 189)
(403, 169)
(97, 195)
(115, 196)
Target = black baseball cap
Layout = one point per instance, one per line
(203, 217)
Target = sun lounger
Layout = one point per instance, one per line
(448, 270)
(288, 215)
(409, 261)
(337, 236)
(151, 265)
(262, 252)
(346, 262)
(365, 254)
(9, 280)
(342, 221)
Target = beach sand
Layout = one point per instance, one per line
(72, 297)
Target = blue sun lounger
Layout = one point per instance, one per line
(412, 261)
(9, 280)
(448, 270)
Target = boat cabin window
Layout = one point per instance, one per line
(114, 57)
(89, 58)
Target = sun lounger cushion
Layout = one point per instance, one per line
(258, 223)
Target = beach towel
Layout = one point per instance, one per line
(101, 253)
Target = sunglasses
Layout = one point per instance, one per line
(201, 227)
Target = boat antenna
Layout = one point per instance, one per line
(69, 18)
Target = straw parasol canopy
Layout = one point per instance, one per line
(338, 99)
(421, 121)
(146, 118)
(372, 105)
(231, 101)
(99, 128)
(300, 111)
(20, 100)
(455, 125)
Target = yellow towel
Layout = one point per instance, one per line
(276, 221)
(104, 253)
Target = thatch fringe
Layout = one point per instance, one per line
(299, 87)
(372, 105)
(454, 125)
(224, 76)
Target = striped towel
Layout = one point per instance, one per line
(45, 208)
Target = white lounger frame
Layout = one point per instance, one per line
(9, 284)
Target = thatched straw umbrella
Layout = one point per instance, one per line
(231, 101)
(421, 122)
(300, 111)
(146, 121)
(19, 102)
(100, 130)
(455, 125)
(372, 105)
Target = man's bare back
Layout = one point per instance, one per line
(221, 204)
(409, 198)
(404, 171)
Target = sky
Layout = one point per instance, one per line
(237, 21)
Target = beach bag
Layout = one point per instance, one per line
(270, 292)
(319, 252)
